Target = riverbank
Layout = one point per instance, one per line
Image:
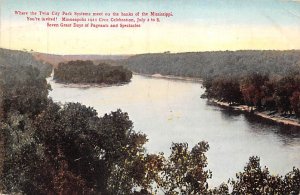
(159, 76)
(267, 115)
(87, 85)
(193, 79)
(84, 85)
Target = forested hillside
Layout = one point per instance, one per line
(21, 58)
(262, 92)
(55, 59)
(206, 64)
(49, 148)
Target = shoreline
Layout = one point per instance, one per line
(159, 76)
(276, 119)
(84, 85)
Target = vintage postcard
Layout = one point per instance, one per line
(150, 97)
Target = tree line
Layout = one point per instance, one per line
(279, 94)
(86, 72)
(210, 64)
(51, 148)
(20, 58)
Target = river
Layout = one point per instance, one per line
(172, 111)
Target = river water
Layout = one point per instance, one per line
(172, 111)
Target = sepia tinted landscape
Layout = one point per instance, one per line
(143, 97)
(62, 134)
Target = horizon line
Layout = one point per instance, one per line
(165, 52)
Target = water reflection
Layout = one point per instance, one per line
(259, 125)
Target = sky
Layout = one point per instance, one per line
(196, 25)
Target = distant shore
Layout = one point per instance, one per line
(84, 85)
(264, 115)
(170, 77)
(88, 85)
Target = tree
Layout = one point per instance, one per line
(295, 103)
(224, 89)
(86, 72)
(252, 89)
(284, 90)
(255, 180)
(24, 90)
(185, 171)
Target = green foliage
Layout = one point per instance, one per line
(68, 149)
(94, 148)
(184, 172)
(224, 89)
(262, 92)
(23, 156)
(86, 72)
(23, 89)
(211, 64)
(285, 88)
(255, 180)
(17, 59)
(252, 89)
(23, 96)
